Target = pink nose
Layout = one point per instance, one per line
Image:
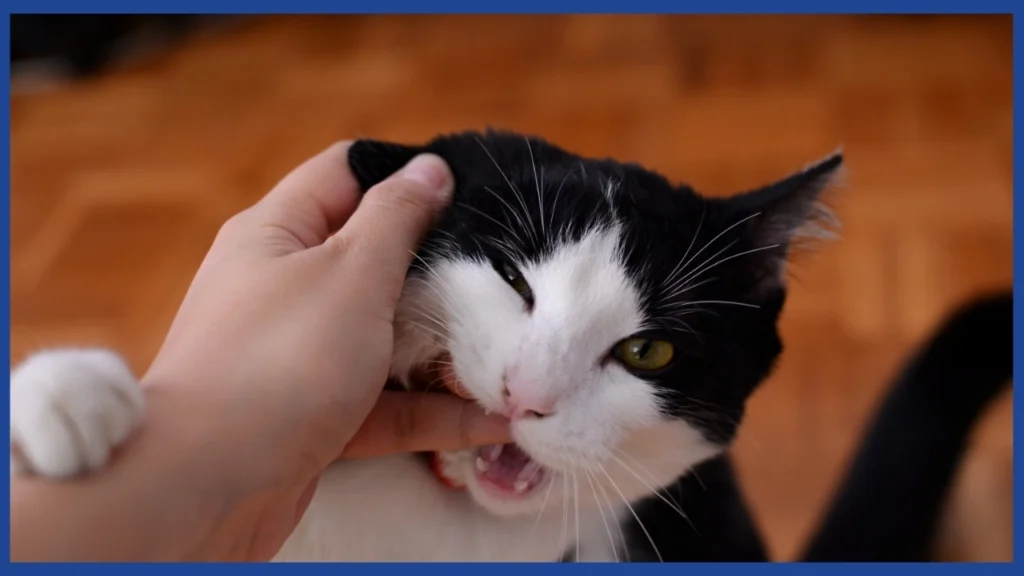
(523, 399)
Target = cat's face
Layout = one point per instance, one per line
(619, 321)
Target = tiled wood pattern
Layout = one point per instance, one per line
(119, 183)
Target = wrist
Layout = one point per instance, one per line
(156, 500)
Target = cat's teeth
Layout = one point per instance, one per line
(493, 452)
(520, 486)
(482, 464)
(528, 472)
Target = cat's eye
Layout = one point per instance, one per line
(516, 280)
(644, 353)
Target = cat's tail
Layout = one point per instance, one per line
(890, 504)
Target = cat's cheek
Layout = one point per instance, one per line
(656, 456)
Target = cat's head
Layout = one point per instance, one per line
(620, 320)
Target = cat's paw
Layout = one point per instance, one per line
(69, 410)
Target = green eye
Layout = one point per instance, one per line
(644, 353)
(515, 279)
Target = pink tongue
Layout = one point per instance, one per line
(510, 466)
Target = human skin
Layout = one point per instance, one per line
(273, 369)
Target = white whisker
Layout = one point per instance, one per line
(696, 302)
(633, 512)
(699, 271)
(720, 234)
(604, 519)
(656, 492)
(540, 203)
(518, 194)
(543, 506)
(554, 205)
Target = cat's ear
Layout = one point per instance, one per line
(793, 209)
(372, 161)
(787, 213)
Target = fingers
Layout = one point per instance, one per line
(380, 238)
(414, 422)
(315, 199)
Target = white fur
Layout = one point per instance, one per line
(69, 410)
(604, 444)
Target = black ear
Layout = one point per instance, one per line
(372, 161)
(792, 209)
(786, 213)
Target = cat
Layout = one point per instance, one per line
(890, 503)
(620, 320)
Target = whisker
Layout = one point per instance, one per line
(576, 504)
(694, 303)
(431, 271)
(646, 471)
(697, 273)
(540, 203)
(554, 205)
(604, 519)
(656, 492)
(519, 196)
(687, 287)
(543, 506)
(720, 234)
(489, 217)
(678, 267)
(421, 310)
(633, 512)
(511, 210)
(565, 512)
(696, 477)
(415, 324)
(687, 276)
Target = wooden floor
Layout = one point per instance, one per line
(119, 183)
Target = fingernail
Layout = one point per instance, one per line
(430, 170)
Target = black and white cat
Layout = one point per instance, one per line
(621, 321)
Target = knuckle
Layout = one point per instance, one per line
(408, 198)
(340, 245)
(234, 224)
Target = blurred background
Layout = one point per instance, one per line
(133, 138)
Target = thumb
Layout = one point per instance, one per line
(380, 238)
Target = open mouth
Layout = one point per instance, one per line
(508, 471)
(504, 470)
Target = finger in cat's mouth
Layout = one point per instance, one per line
(507, 471)
(504, 470)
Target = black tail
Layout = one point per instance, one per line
(890, 504)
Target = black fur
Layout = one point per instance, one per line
(740, 243)
(889, 505)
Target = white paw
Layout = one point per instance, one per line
(69, 410)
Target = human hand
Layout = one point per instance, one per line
(278, 355)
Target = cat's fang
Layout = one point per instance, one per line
(520, 486)
(482, 464)
(492, 452)
(529, 472)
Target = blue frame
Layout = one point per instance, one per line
(509, 7)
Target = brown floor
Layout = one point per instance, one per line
(119, 183)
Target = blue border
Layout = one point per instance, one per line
(513, 7)
(1018, 264)
(535, 7)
